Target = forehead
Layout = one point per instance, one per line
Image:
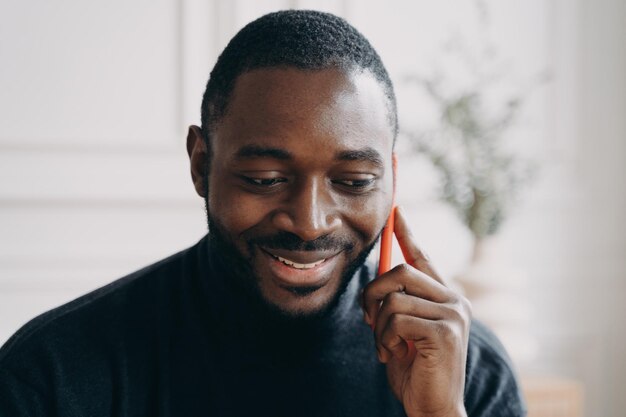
(312, 108)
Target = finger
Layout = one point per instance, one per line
(402, 278)
(413, 255)
(400, 303)
(403, 333)
(401, 330)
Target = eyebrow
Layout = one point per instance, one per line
(256, 151)
(365, 154)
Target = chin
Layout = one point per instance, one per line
(302, 302)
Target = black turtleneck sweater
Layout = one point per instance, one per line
(175, 339)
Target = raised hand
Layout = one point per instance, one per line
(421, 329)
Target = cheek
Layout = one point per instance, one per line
(368, 216)
(236, 210)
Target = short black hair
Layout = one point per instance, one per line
(304, 39)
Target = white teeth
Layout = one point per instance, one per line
(299, 266)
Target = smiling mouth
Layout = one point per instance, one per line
(308, 272)
(297, 265)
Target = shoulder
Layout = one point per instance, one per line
(491, 386)
(85, 349)
(98, 310)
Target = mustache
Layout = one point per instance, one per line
(290, 241)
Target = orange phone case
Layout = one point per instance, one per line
(386, 239)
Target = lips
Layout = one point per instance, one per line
(300, 268)
(297, 265)
(298, 257)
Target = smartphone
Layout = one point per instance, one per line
(386, 239)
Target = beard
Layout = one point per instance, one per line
(243, 279)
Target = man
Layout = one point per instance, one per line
(275, 312)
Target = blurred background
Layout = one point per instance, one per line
(521, 200)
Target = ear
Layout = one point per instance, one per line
(197, 151)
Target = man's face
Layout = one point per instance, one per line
(300, 180)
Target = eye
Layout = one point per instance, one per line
(264, 182)
(356, 184)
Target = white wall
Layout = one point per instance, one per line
(95, 98)
(94, 183)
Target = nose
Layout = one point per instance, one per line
(309, 212)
